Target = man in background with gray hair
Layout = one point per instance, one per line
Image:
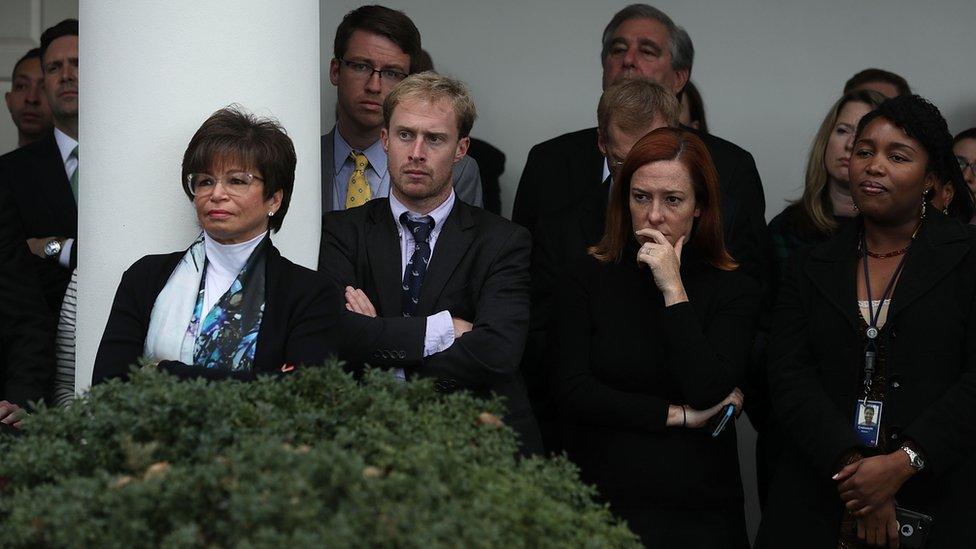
(642, 42)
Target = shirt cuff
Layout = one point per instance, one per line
(64, 258)
(440, 333)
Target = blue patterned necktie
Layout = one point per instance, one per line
(413, 275)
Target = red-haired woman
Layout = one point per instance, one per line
(651, 337)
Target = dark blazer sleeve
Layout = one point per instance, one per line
(526, 206)
(750, 242)
(493, 347)
(945, 430)
(384, 342)
(128, 322)
(578, 394)
(26, 327)
(710, 361)
(800, 403)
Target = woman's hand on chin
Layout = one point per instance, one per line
(665, 263)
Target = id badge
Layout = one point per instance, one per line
(867, 421)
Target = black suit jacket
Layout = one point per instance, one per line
(478, 272)
(35, 176)
(815, 375)
(26, 325)
(299, 325)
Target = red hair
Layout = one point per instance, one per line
(687, 148)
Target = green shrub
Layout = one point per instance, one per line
(315, 459)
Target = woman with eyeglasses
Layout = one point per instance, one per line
(872, 360)
(230, 306)
(964, 147)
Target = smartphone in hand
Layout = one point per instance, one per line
(722, 419)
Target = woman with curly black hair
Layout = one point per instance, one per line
(873, 355)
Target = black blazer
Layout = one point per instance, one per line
(478, 272)
(26, 324)
(561, 172)
(815, 373)
(35, 176)
(299, 326)
(618, 358)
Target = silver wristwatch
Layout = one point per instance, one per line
(52, 248)
(916, 461)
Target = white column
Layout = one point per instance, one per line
(151, 73)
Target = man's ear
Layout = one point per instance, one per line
(462, 149)
(680, 79)
(385, 139)
(600, 142)
(334, 72)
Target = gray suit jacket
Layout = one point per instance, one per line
(467, 177)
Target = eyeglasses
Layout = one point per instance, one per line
(236, 184)
(364, 71)
(963, 164)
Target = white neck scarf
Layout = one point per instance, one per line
(173, 309)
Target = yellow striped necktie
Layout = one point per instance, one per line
(358, 191)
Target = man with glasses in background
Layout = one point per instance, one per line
(375, 48)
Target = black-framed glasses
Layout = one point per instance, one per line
(364, 71)
(963, 164)
(235, 184)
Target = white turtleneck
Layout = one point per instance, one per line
(224, 263)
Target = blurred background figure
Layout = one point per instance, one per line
(693, 108)
(26, 100)
(884, 82)
(964, 147)
(826, 202)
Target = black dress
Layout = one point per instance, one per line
(619, 357)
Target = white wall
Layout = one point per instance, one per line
(151, 73)
(768, 70)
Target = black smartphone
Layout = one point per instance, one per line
(723, 417)
(913, 528)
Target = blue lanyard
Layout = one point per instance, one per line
(871, 350)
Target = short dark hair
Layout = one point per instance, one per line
(34, 53)
(68, 27)
(922, 121)
(878, 75)
(259, 143)
(391, 24)
(965, 134)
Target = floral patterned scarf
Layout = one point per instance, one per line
(226, 338)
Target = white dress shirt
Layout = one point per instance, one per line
(440, 326)
(66, 144)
